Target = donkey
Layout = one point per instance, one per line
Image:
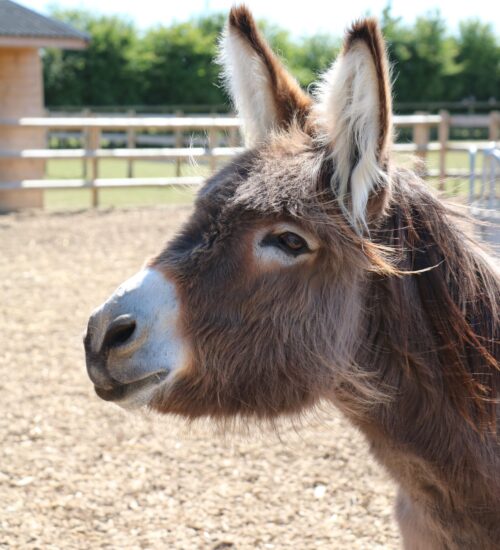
(313, 269)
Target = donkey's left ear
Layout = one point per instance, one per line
(353, 115)
(264, 93)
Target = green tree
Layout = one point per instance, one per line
(315, 55)
(177, 64)
(479, 57)
(105, 73)
(422, 57)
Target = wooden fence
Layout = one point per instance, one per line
(219, 131)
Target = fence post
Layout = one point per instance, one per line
(94, 139)
(443, 135)
(85, 143)
(179, 142)
(421, 137)
(130, 145)
(233, 137)
(494, 126)
(212, 143)
(472, 177)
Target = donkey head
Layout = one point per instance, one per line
(256, 307)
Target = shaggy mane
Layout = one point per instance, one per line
(432, 293)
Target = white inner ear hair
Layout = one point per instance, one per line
(348, 114)
(247, 80)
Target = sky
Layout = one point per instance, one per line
(320, 16)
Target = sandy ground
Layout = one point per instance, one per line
(76, 472)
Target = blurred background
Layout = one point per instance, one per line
(150, 67)
(111, 115)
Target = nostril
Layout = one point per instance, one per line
(119, 332)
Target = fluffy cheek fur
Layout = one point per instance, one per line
(266, 349)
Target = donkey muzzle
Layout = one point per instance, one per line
(132, 343)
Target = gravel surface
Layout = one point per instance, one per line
(76, 472)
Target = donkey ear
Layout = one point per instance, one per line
(265, 95)
(354, 117)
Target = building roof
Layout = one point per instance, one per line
(22, 26)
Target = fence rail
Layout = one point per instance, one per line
(166, 123)
(219, 130)
(165, 153)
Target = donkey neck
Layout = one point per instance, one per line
(449, 485)
(446, 470)
(420, 348)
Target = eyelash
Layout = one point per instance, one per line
(279, 241)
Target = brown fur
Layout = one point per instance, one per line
(411, 359)
(399, 327)
(291, 102)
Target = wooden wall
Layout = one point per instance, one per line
(21, 94)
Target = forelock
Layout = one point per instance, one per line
(284, 176)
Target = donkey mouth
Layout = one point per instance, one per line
(121, 392)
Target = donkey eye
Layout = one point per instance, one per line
(289, 242)
(295, 243)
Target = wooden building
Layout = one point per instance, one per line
(23, 33)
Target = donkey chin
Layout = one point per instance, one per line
(132, 343)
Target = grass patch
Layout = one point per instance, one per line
(70, 199)
(118, 168)
(458, 160)
(62, 199)
(76, 199)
